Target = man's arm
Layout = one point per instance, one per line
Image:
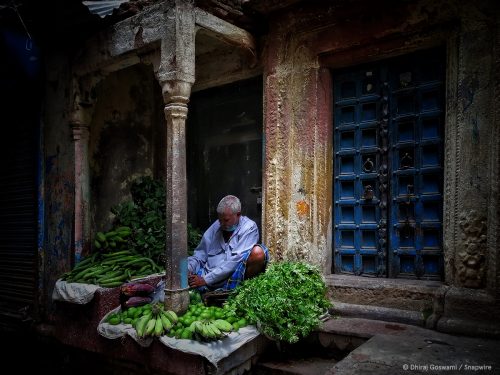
(199, 258)
(248, 237)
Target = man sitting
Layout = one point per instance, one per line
(228, 252)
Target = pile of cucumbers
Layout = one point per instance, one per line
(112, 269)
(113, 239)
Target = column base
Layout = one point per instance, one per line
(177, 300)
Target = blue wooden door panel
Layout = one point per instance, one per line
(388, 175)
(417, 110)
(356, 164)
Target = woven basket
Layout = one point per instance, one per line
(216, 297)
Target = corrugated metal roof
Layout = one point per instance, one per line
(103, 8)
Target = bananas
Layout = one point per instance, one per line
(153, 320)
(167, 324)
(223, 325)
(172, 316)
(208, 330)
(156, 322)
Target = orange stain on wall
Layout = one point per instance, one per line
(302, 208)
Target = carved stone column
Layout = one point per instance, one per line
(176, 76)
(82, 108)
(176, 96)
(81, 229)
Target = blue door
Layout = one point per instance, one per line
(388, 170)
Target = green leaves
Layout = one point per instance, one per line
(194, 237)
(286, 301)
(145, 214)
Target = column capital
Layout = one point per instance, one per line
(80, 131)
(176, 97)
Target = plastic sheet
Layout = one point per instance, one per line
(78, 293)
(213, 351)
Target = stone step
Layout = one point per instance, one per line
(304, 366)
(331, 343)
(357, 346)
(386, 314)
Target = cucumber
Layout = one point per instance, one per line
(110, 234)
(100, 236)
(112, 284)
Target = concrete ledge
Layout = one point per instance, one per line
(431, 304)
(395, 300)
(474, 303)
(378, 313)
(367, 328)
(474, 328)
(243, 359)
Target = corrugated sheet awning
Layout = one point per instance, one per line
(103, 8)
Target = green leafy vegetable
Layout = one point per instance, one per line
(145, 214)
(286, 301)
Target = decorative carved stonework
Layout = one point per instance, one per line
(471, 267)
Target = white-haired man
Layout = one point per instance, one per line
(228, 251)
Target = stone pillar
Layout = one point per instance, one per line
(176, 96)
(81, 113)
(471, 305)
(81, 227)
(176, 75)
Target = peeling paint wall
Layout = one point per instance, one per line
(125, 138)
(59, 175)
(125, 142)
(298, 155)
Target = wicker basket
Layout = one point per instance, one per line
(216, 297)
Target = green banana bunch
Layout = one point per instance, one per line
(171, 315)
(223, 325)
(208, 330)
(150, 327)
(157, 322)
(141, 324)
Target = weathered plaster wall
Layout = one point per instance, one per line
(58, 161)
(298, 150)
(218, 63)
(125, 138)
(477, 138)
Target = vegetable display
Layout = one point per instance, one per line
(206, 323)
(286, 301)
(199, 322)
(110, 270)
(145, 214)
(135, 246)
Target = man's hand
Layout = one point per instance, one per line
(196, 281)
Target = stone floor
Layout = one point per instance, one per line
(344, 346)
(386, 348)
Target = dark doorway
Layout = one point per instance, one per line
(224, 150)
